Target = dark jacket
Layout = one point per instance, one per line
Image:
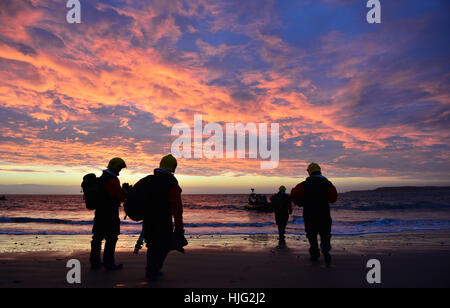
(281, 203)
(315, 195)
(106, 220)
(164, 203)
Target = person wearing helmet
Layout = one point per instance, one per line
(282, 207)
(315, 195)
(164, 203)
(252, 198)
(106, 221)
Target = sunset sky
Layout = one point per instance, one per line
(369, 102)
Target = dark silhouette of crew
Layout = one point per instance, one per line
(282, 208)
(252, 198)
(106, 221)
(315, 195)
(164, 203)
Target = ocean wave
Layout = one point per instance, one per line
(214, 207)
(230, 225)
(382, 222)
(343, 205)
(336, 232)
(54, 221)
(23, 220)
(394, 222)
(379, 206)
(37, 233)
(47, 226)
(296, 220)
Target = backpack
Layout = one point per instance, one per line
(136, 202)
(92, 191)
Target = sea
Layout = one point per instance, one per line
(385, 210)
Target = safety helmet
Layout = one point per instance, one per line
(313, 167)
(168, 163)
(116, 163)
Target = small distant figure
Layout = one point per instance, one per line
(282, 207)
(258, 202)
(263, 199)
(315, 195)
(164, 203)
(107, 221)
(252, 198)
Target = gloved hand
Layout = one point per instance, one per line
(179, 241)
(181, 237)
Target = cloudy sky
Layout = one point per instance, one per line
(369, 102)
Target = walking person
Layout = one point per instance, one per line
(315, 195)
(164, 203)
(282, 206)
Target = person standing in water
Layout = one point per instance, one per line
(282, 207)
(106, 220)
(315, 195)
(252, 198)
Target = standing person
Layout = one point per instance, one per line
(106, 220)
(252, 197)
(282, 206)
(315, 195)
(164, 203)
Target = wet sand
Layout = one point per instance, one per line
(413, 259)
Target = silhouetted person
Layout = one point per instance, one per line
(282, 207)
(164, 203)
(252, 198)
(315, 195)
(107, 221)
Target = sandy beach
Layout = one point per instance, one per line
(409, 259)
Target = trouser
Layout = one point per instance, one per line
(96, 247)
(158, 237)
(155, 258)
(281, 221)
(318, 227)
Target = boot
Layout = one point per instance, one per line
(327, 257)
(96, 246)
